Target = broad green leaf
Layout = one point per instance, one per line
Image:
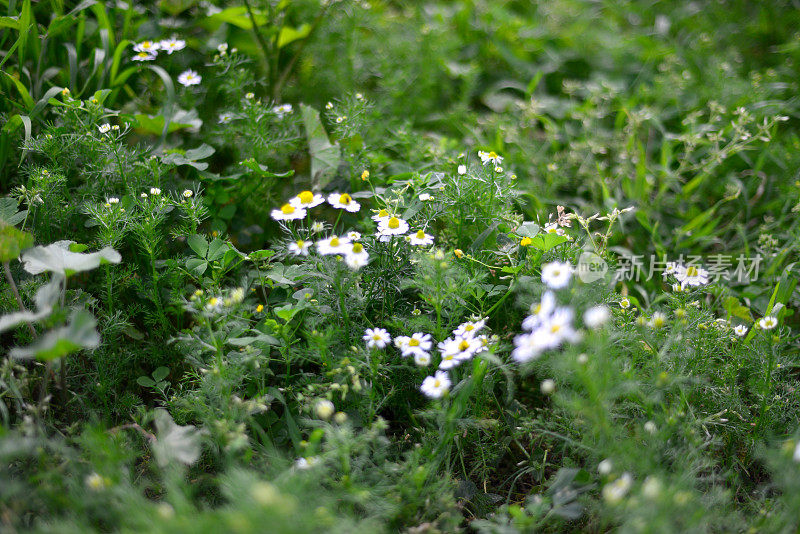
(547, 241)
(175, 443)
(9, 213)
(238, 17)
(325, 156)
(290, 35)
(58, 258)
(79, 334)
(198, 244)
(12, 242)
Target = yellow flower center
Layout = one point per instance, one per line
(300, 243)
(448, 357)
(334, 241)
(306, 197)
(469, 328)
(437, 383)
(420, 235)
(555, 328)
(537, 309)
(394, 223)
(213, 301)
(464, 345)
(345, 199)
(413, 342)
(383, 213)
(376, 337)
(492, 154)
(358, 248)
(287, 209)
(691, 271)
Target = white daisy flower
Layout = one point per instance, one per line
(187, 193)
(449, 361)
(143, 56)
(300, 247)
(317, 227)
(189, 77)
(356, 257)
(740, 330)
(596, 316)
(556, 274)
(306, 463)
(527, 347)
(333, 245)
(461, 348)
(376, 338)
(691, 276)
(418, 342)
(540, 311)
(353, 235)
(469, 328)
(282, 110)
(768, 322)
(150, 47)
(615, 491)
(553, 228)
(424, 197)
(343, 201)
(401, 342)
(155, 191)
(422, 359)
(112, 200)
(226, 117)
(307, 200)
(462, 169)
(392, 226)
(287, 212)
(381, 215)
(104, 128)
(420, 238)
(435, 386)
(172, 45)
(490, 157)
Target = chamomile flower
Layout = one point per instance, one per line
(333, 245)
(490, 157)
(155, 191)
(225, 117)
(768, 322)
(381, 215)
(462, 170)
(112, 200)
(424, 197)
(300, 247)
(401, 342)
(422, 359)
(343, 201)
(450, 361)
(187, 193)
(469, 328)
(596, 316)
(625, 303)
(356, 257)
(691, 276)
(740, 330)
(307, 200)
(527, 347)
(149, 47)
(436, 386)
(418, 342)
(556, 274)
(317, 227)
(287, 212)
(553, 228)
(658, 320)
(376, 338)
(104, 128)
(392, 226)
(282, 110)
(353, 235)
(172, 45)
(143, 56)
(540, 311)
(420, 238)
(189, 77)
(462, 348)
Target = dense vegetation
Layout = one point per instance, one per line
(377, 266)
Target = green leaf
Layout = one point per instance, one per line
(325, 156)
(160, 373)
(290, 35)
(79, 334)
(198, 244)
(145, 381)
(547, 241)
(217, 249)
(13, 242)
(196, 267)
(9, 213)
(58, 258)
(238, 17)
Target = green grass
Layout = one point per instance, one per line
(166, 371)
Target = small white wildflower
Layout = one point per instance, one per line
(462, 169)
(376, 338)
(189, 77)
(768, 322)
(436, 386)
(556, 274)
(324, 409)
(596, 316)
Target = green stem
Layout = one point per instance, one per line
(10, 279)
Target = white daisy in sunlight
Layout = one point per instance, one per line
(740, 330)
(392, 226)
(343, 201)
(469, 328)
(287, 212)
(462, 348)
(418, 342)
(556, 274)
(172, 45)
(376, 338)
(353, 235)
(143, 56)
(490, 157)
(307, 200)
(300, 247)
(768, 322)
(356, 257)
(149, 47)
(422, 359)
(333, 245)
(691, 276)
(540, 311)
(381, 214)
(436, 386)
(189, 77)
(420, 238)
